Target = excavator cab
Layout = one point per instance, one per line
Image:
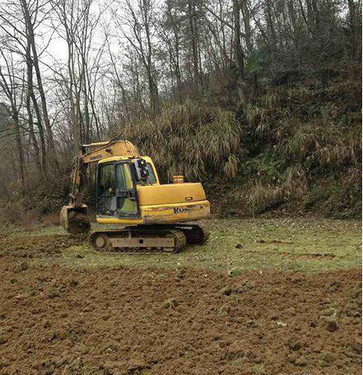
(116, 190)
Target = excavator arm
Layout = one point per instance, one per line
(74, 216)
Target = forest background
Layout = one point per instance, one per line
(258, 99)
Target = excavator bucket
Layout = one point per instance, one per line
(75, 220)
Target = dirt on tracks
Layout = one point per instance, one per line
(57, 320)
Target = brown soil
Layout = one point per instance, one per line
(37, 246)
(55, 320)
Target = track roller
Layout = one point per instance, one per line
(100, 241)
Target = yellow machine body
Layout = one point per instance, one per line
(163, 203)
(153, 216)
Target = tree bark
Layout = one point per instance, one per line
(239, 62)
(194, 43)
(154, 96)
(19, 145)
(31, 40)
(355, 35)
(9, 89)
(33, 138)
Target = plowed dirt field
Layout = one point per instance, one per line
(56, 319)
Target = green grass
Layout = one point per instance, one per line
(307, 245)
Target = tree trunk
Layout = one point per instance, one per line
(194, 42)
(153, 88)
(270, 26)
(31, 39)
(41, 131)
(9, 89)
(74, 119)
(247, 24)
(239, 61)
(19, 145)
(31, 122)
(355, 39)
(41, 163)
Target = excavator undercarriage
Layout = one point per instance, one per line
(149, 238)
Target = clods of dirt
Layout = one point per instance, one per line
(37, 246)
(58, 320)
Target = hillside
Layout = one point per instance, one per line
(300, 152)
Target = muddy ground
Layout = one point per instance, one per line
(102, 320)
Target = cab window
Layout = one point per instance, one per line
(124, 176)
(107, 185)
(151, 179)
(107, 179)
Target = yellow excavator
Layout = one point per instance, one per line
(153, 216)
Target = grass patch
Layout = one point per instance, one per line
(306, 245)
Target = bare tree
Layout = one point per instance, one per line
(12, 90)
(170, 34)
(20, 41)
(354, 22)
(30, 12)
(240, 62)
(195, 41)
(77, 28)
(140, 22)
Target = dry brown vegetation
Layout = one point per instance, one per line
(301, 151)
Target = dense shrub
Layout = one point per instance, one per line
(190, 138)
(301, 151)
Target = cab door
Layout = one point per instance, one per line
(106, 189)
(126, 193)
